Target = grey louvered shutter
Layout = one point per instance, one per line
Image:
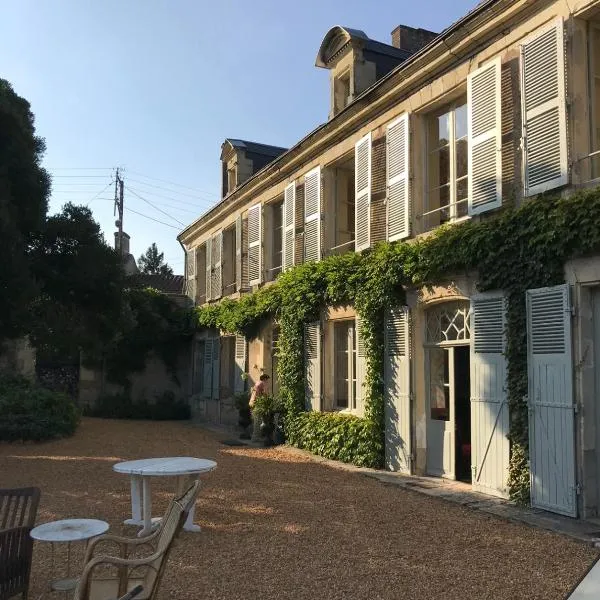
(240, 364)
(289, 225)
(208, 269)
(216, 372)
(489, 402)
(207, 368)
(398, 181)
(312, 215)
(191, 274)
(217, 266)
(254, 245)
(361, 368)
(312, 357)
(485, 138)
(545, 156)
(362, 192)
(238, 253)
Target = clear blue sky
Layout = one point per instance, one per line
(154, 86)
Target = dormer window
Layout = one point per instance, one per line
(342, 92)
(231, 178)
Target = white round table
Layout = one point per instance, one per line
(67, 530)
(140, 471)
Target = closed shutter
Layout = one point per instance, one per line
(254, 244)
(485, 138)
(289, 225)
(217, 266)
(362, 192)
(396, 377)
(545, 159)
(191, 274)
(240, 364)
(489, 406)
(207, 368)
(398, 182)
(208, 269)
(361, 369)
(238, 253)
(312, 354)
(312, 215)
(551, 408)
(216, 373)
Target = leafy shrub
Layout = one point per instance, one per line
(166, 407)
(31, 412)
(337, 436)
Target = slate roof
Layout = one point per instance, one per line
(168, 285)
(257, 148)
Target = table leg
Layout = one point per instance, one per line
(147, 507)
(189, 524)
(136, 506)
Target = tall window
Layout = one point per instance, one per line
(345, 365)
(447, 166)
(594, 53)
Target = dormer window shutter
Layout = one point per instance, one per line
(255, 245)
(362, 192)
(208, 269)
(289, 225)
(217, 266)
(545, 155)
(398, 182)
(312, 215)
(485, 138)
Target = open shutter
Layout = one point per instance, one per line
(396, 376)
(545, 157)
(216, 373)
(551, 408)
(312, 354)
(217, 266)
(398, 183)
(238, 253)
(361, 369)
(254, 245)
(362, 192)
(489, 406)
(208, 269)
(485, 138)
(289, 225)
(207, 368)
(312, 215)
(191, 274)
(240, 364)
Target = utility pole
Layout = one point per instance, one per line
(119, 186)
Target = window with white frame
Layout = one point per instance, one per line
(446, 197)
(344, 347)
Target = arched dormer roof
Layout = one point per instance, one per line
(336, 39)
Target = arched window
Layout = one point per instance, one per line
(448, 322)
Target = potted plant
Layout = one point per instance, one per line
(267, 408)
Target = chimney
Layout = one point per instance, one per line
(126, 239)
(411, 39)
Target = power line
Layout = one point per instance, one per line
(155, 207)
(151, 218)
(79, 168)
(186, 187)
(79, 177)
(194, 204)
(101, 192)
(158, 187)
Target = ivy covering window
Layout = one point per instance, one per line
(447, 166)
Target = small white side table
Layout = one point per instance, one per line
(140, 471)
(67, 530)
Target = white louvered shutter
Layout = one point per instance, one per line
(361, 369)
(217, 266)
(396, 377)
(207, 368)
(208, 269)
(362, 193)
(489, 403)
(238, 253)
(312, 215)
(254, 245)
(545, 156)
(312, 355)
(551, 407)
(289, 225)
(485, 138)
(240, 363)
(216, 372)
(398, 182)
(191, 274)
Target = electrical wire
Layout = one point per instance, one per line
(185, 187)
(194, 204)
(155, 207)
(151, 218)
(101, 192)
(158, 187)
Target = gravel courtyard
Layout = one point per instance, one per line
(276, 525)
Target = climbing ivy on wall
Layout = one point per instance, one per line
(511, 250)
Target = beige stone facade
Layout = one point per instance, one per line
(502, 106)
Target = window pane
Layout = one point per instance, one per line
(444, 201)
(443, 128)
(341, 364)
(443, 165)
(439, 390)
(462, 158)
(460, 122)
(462, 192)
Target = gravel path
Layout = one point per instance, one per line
(276, 525)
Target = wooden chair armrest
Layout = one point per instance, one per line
(122, 543)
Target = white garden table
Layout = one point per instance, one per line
(140, 471)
